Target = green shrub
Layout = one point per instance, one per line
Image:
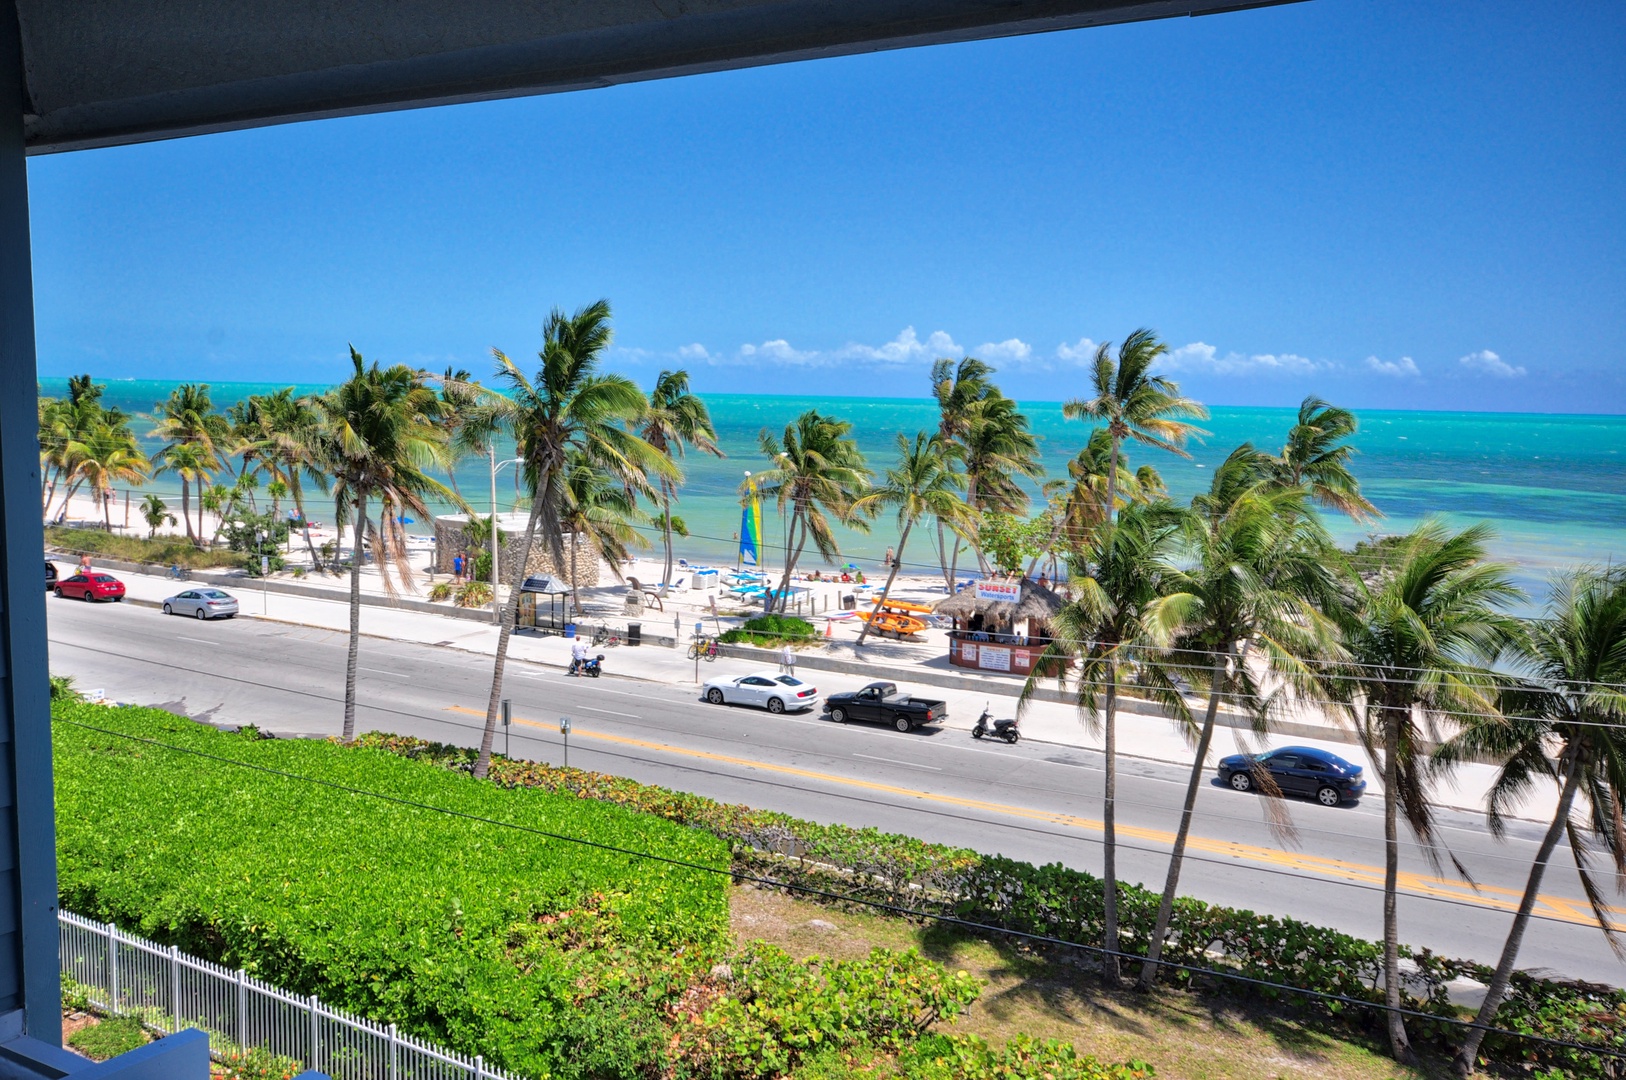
(473, 594)
(966, 1057)
(440, 590)
(476, 936)
(770, 630)
(109, 1038)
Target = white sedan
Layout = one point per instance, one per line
(764, 689)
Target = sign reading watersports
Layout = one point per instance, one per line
(1007, 591)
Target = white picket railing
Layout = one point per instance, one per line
(169, 990)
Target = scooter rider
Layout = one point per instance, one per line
(578, 656)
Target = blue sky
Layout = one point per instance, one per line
(1390, 204)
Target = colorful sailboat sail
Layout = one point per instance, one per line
(751, 527)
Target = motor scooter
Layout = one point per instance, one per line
(995, 729)
(593, 667)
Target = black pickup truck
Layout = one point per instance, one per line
(880, 702)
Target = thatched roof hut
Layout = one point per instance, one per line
(1034, 602)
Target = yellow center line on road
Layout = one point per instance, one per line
(1487, 896)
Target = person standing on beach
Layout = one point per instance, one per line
(887, 562)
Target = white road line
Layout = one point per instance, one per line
(200, 641)
(612, 712)
(381, 671)
(895, 761)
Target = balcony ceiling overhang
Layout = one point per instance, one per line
(107, 72)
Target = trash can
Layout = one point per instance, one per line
(635, 633)
(570, 629)
(849, 602)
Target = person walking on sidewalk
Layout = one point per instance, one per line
(787, 659)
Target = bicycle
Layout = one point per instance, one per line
(605, 636)
(178, 573)
(703, 648)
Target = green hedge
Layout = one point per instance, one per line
(473, 935)
(1061, 902)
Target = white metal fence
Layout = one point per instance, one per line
(169, 990)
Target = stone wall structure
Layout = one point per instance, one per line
(451, 537)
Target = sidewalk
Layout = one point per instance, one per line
(917, 667)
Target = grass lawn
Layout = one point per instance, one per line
(1186, 1036)
(159, 551)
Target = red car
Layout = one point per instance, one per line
(92, 586)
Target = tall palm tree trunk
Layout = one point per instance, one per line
(1165, 907)
(782, 600)
(349, 732)
(1466, 1056)
(954, 561)
(1399, 1045)
(186, 510)
(886, 590)
(665, 531)
(1112, 479)
(1110, 969)
(792, 554)
(482, 762)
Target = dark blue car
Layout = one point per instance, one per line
(1298, 770)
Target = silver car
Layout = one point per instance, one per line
(202, 604)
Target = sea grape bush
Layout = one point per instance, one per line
(1064, 903)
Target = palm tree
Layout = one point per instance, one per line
(155, 514)
(290, 441)
(1572, 700)
(1316, 457)
(1114, 625)
(675, 418)
(379, 438)
(194, 464)
(1257, 573)
(1417, 639)
(1136, 404)
(109, 454)
(601, 516)
(569, 411)
(998, 450)
(819, 472)
(188, 418)
(1077, 504)
(460, 393)
(922, 482)
(956, 388)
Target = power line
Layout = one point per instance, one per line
(895, 909)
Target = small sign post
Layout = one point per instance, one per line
(507, 728)
(564, 729)
(265, 589)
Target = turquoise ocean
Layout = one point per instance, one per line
(1553, 486)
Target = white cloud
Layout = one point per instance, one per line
(696, 351)
(1404, 368)
(1486, 362)
(1082, 353)
(1200, 357)
(777, 351)
(903, 349)
(1009, 351)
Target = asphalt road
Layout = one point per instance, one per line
(1035, 801)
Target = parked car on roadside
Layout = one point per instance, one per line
(202, 604)
(880, 702)
(1298, 770)
(50, 575)
(764, 689)
(91, 586)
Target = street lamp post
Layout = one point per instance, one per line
(496, 575)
